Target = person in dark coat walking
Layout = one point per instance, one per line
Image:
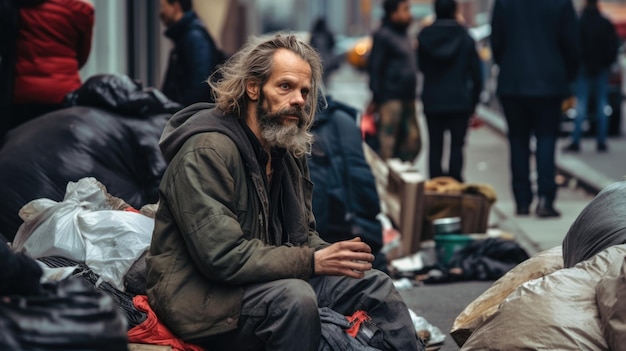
(598, 44)
(452, 84)
(393, 81)
(194, 56)
(535, 45)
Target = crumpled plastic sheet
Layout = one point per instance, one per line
(420, 323)
(83, 227)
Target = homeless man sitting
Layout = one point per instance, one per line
(235, 261)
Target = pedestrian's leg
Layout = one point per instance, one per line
(602, 101)
(458, 129)
(548, 112)
(519, 143)
(409, 143)
(435, 144)
(376, 295)
(278, 315)
(582, 98)
(388, 129)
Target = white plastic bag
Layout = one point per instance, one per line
(84, 228)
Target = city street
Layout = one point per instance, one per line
(486, 162)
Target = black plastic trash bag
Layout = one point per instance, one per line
(112, 136)
(487, 259)
(19, 274)
(600, 225)
(68, 315)
(121, 94)
(123, 300)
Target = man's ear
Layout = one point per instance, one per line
(252, 89)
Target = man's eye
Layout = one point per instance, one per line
(305, 93)
(284, 86)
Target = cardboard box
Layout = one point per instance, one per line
(403, 203)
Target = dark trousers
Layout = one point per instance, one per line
(527, 116)
(284, 315)
(456, 124)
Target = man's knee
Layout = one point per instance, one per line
(297, 296)
(379, 279)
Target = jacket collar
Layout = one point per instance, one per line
(178, 29)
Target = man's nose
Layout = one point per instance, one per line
(297, 99)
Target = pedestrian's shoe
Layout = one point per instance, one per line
(573, 147)
(522, 210)
(601, 147)
(545, 209)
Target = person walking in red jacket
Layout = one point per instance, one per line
(53, 43)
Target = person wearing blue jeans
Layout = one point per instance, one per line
(598, 44)
(598, 84)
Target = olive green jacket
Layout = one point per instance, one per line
(211, 236)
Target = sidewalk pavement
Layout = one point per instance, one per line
(590, 169)
(585, 174)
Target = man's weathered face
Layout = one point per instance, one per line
(168, 12)
(402, 15)
(283, 101)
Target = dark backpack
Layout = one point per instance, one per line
(345, 200)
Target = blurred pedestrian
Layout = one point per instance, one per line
(53, 43)
(448, 59)
(535, 45)
(598, 43)
(323, 40)
(392, 71)
(345, 199)
(194, 56)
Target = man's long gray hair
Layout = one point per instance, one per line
(254, 62)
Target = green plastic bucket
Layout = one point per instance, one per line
(448, 244)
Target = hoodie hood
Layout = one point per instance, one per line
(443, 40)
(329, 107)
(200, 118)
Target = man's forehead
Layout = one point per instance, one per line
(288, 63)
(286, 60)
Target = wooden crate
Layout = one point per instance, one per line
(400, 188)
(472, 209)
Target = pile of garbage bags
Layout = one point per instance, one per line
(571, 297)
(110, 130)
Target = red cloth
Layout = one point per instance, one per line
(132, 209)
(151, 331)
(368, 125)
(357, 318)
(54, 41)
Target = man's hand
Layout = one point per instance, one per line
(350, 258)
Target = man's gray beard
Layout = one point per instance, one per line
(290, 136)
